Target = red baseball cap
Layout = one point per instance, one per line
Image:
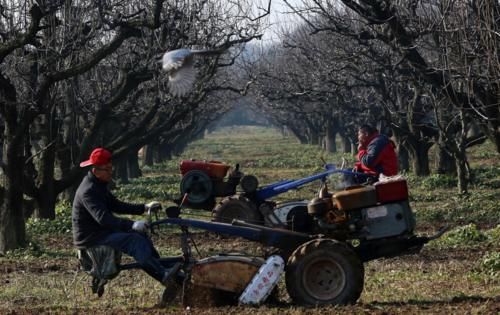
(99, 156)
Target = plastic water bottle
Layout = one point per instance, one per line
(264, 281)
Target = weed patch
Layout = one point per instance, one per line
(463, 236)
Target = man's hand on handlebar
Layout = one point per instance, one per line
(152, 207)
(140, 226)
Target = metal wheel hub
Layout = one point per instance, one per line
(324, 279)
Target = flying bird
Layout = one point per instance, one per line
(179, 64)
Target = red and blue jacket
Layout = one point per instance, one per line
(378, 157)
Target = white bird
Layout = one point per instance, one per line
(179, 64)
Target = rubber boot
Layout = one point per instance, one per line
(170, 274)
(171, 284)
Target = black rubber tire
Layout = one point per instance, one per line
(249, 183)
(237, 207)
(199, 186)
(314, 266)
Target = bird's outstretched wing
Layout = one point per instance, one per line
(181, 80)
(175, 59)
(179, 66)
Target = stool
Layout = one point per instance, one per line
(102, 263)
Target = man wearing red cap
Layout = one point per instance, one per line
(94, 223)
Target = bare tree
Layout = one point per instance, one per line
(73, 77)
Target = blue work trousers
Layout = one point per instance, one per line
(140, 247)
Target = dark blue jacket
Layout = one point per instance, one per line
(378, 157)
(92, 214)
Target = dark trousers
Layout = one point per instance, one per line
(357, 179)
(140, 247)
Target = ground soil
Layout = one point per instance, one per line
(461, 304)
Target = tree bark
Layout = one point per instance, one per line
(134, 171)
(299, 135)
(121, 170)
(445, 163)
(313, 136)
(463, 174)
(346, 144)
(149, 155)
(330, 144)
(46, 194)
(419, 154)
(403, 159)
(12, 228)
(164, 152)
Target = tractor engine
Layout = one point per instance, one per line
(203, 181)
(365, 213)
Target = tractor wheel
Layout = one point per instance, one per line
(237, 207)
(198, 185)
(324, 271)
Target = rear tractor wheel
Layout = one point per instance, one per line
(237, 208)
(324, 271)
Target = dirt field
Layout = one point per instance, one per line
(436, 281)
(458, 274)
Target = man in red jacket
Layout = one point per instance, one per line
(376, 153)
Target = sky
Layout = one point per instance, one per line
(280, 17)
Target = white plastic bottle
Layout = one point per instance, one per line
(264, 281)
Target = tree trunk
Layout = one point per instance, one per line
(46, 203)
(462, 174)
(330, 144)
(12, 228)
(420, 159)
(403, 159)
(314, 137)
(64, 162)
(299, 135)
(149, 155)
(284, 131)
(134, 171)
(403, 154)
(164, 152)
(121, 171)
(445, 163)
(46, 195)
(28, 207)
(346, 144)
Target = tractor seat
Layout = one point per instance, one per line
(102, 263)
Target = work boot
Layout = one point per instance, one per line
(172, 285)
(169, 293)
(171, 273)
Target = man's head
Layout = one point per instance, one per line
(102, 167)
(365, 132)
